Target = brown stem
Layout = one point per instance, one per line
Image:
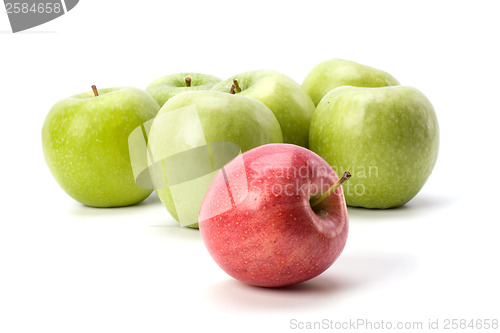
(94, 89)
(233, 87)
(236, 86)
(188, 81)
(339, 182)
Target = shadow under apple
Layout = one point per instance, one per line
(418, 206)
(234, 294)
(349, 273)
(359, 271)
(80, 210)
(169, 229)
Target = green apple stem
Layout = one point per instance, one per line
(339, 182)
(237, 88)
(188, 81)
(232, 92)
(94, 89)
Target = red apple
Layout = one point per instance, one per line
(257, 219)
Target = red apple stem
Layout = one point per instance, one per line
(94, 89)
(232, 92)
(237, 88)
(188, 81)
(325, 195)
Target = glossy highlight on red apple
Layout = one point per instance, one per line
(270, 235)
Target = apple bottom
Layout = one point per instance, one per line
(276, 258)
(271, 239)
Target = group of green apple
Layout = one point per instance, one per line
(356, 117)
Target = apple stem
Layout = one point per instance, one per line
(94, 89)
(188, 81)
(339, 182)
(236, 86)
(232, 92)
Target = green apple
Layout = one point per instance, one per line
(85, 142)
(386, 137)
(291, 105)
(334, 73)
(224, 118)
(168, 86)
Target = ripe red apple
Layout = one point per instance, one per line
(275, 216)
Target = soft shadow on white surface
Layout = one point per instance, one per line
(149, 216)
(174, 230)
(420, 205)
(348, 275)
(236, 295)
(364, 270)
(85, 211)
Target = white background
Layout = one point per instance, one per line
(69, 268)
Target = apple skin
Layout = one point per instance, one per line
(291, 105)
(224, 118)
(335, 72)
(273, 239)
(85, 142)
(166, 87)
(388, 138)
